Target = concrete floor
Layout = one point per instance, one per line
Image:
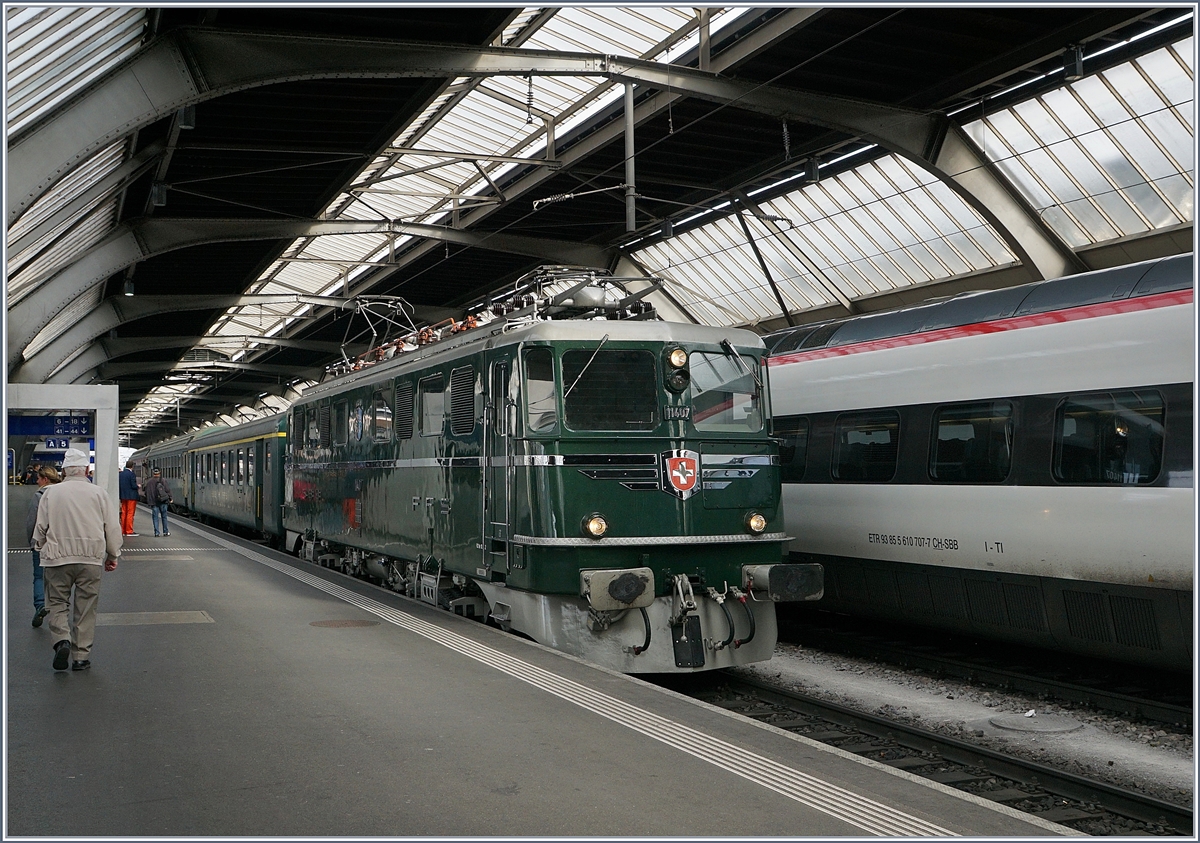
(216, 707)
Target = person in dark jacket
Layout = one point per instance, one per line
(158, 496)
(47, 475)
(130, 491)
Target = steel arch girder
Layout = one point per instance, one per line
(103, 350)
(147, 237)
(189, 65)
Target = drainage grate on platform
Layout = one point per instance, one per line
(342, 624)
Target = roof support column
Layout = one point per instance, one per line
(630, 186)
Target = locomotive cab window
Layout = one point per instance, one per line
(433, 406)
(1113, 438)
(792, 434)
(972, 443)
(725, 396)
(865, 446)
(541, 408)
(610, 389)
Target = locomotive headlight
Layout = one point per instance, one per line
(595, 525)
(756, 522)
(677, 358)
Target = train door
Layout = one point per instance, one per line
(254, 484)
(498, 465)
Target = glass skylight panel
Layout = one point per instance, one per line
(87, 233)
(53, 52)
(1108, 156)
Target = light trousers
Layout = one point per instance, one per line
(78, 625)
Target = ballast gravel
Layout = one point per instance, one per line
(1141, 756)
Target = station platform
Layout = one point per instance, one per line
(236, 691)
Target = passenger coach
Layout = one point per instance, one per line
(1015, 464)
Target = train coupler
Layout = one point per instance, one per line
(686, 635)
(784, 582)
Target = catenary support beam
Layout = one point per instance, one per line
(145, 238)
(105, 349)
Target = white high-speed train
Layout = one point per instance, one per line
(1015, 464)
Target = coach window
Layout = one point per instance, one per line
(972, 443)
(250, 466)
(725, 396)
(383, 416)
(792, 434)
(223, 461)
(610, 389)
(433, 406)
(1113, 438)
(865, 446)
(341, 421)
(241, 466)
(541, 402)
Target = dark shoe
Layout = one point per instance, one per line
(39, 615)
(156, 535)
(62, 654)
(83, 665)
(166, 534)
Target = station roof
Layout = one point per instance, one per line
(208, 206)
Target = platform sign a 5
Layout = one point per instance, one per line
(57, 444)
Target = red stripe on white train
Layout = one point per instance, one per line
(1012, 323)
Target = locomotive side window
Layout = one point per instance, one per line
(433, 406)
(462, 400)
(865, 446)
(1109, 437)
(404, 410)
(973, 442)
(382, 413)
(610, 389)
(541, 406)
(358, 421)
(793, 447)
(724, 395)
(340, 422)
(313, 438)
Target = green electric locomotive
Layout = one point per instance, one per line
(605, 487)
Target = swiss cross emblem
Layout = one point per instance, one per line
(681, 473)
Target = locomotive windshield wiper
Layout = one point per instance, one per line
(603, 340)
(736, 355)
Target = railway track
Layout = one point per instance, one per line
(1156, 696)
(1093, 807)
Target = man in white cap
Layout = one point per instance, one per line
(77, 532)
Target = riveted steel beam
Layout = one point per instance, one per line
(190, 65)
(105, 349)
(147, 237)
(116, 370)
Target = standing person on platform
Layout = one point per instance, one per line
(130, 491)
(47, 475)
(77, 532)
(158, 496)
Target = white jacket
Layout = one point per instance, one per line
(76, 522)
